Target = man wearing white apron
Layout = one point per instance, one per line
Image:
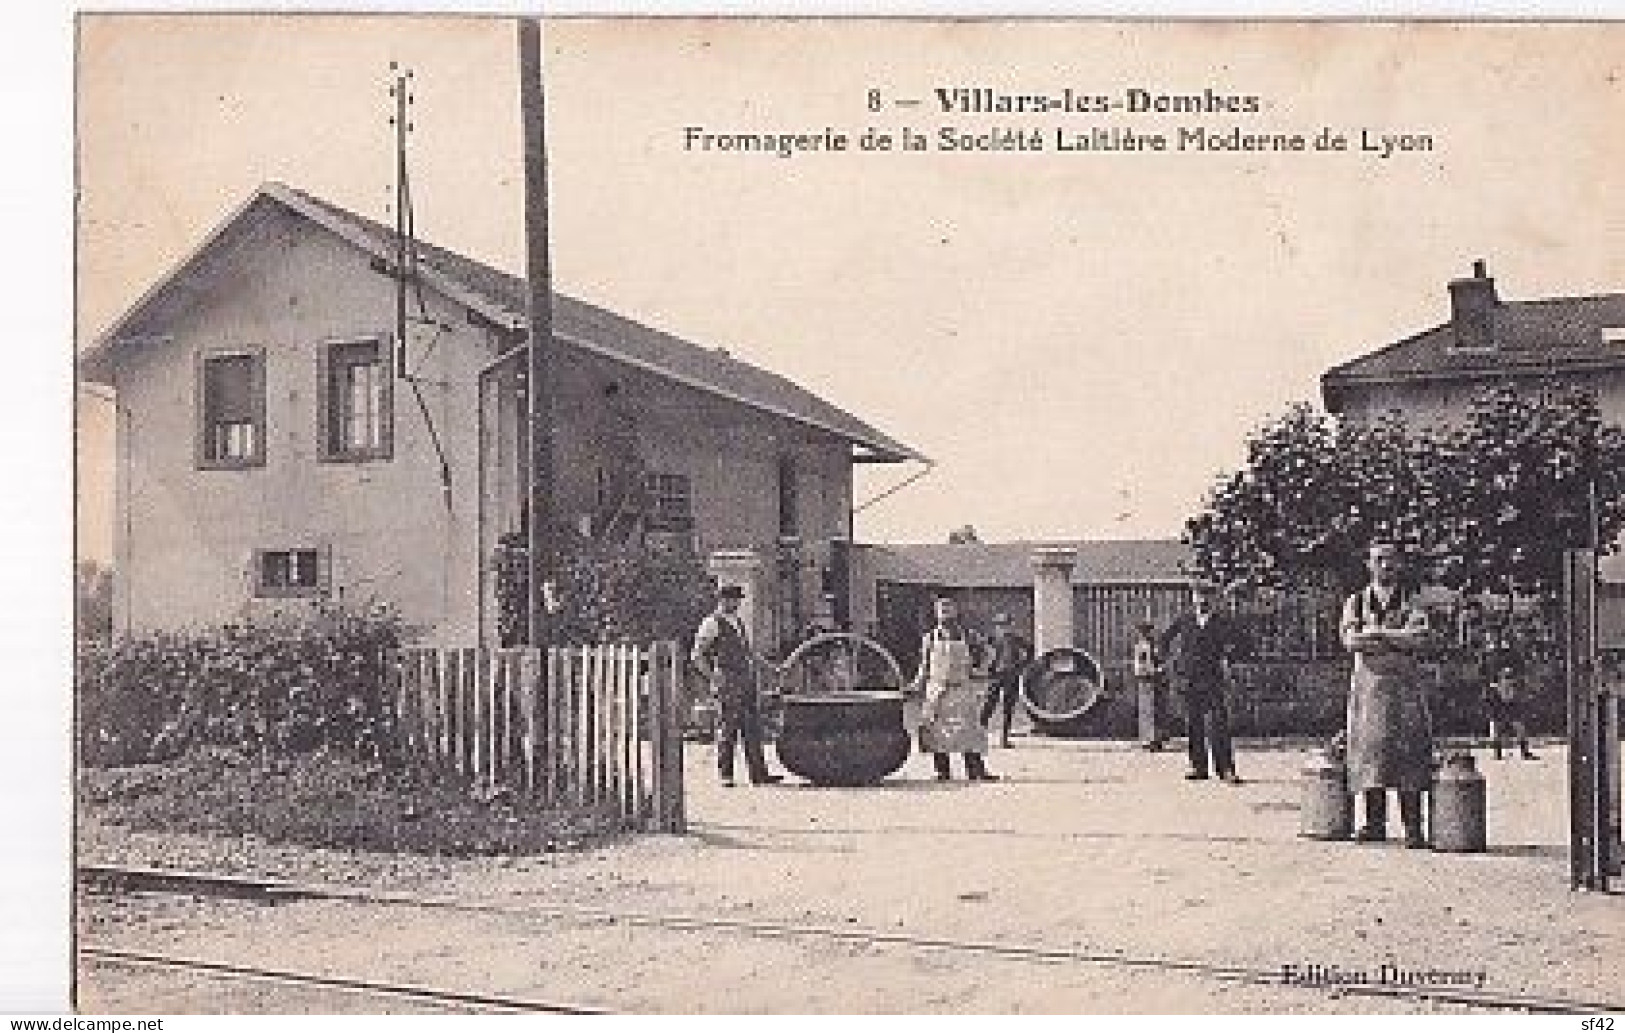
(1390, 736)
(950, 716)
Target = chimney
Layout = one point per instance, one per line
(1472, 309)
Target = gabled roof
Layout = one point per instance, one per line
(1530, 337)
(501, 297)
(1009, 564)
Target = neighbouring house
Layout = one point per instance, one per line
(1433, 376)
(277, 439)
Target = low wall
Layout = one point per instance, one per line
(1309, 699)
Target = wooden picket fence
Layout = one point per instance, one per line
(593, 728)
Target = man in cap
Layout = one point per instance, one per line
(1200, 646)
(1011, 655)
(722, 653)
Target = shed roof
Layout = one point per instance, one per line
(1009, 564)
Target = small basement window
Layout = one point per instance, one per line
(289, 572)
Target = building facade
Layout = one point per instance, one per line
(279, 439)
(1433, 376)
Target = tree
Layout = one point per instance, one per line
(1490, 503)
(1524, 470)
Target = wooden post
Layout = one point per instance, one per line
(612, 674)
(443, 690)
(629, 735)
(639, 681)
(674, 740)
(529, 671)
(553, 730)
(657, 741)
(603, 678)
(580, 698)
(1593, 738)
(569, 727)
(508, 732)
(668, 740)
(1613, 849)
(477, 667)
(539, 314)
(617, 734)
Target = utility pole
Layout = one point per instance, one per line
(539, 313)
(401, 93)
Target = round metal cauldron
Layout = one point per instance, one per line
(1059, 688)
(853, 738)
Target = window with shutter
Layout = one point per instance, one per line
(355, 392)
(231, 407)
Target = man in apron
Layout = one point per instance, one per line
(1390, 734)
(950, 716)
(722, 653)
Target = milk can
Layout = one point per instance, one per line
(1328, 809)
(1457, 807)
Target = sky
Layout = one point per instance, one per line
(1080, 341)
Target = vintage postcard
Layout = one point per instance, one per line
(847, 516)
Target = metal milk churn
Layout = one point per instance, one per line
(1457, 807)
(1327, 811)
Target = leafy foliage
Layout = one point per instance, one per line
(277, 686)
(606, 592)
(1490, 503)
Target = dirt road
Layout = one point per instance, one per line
(1096, 849)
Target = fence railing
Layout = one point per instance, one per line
(585, 727)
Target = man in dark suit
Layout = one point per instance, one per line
(722, 653)
(1011, 655)
(1200, 646)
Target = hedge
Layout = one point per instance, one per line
(284, 684)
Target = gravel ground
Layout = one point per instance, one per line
(1091, 846)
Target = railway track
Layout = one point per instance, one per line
(271, 891)
(458, 999)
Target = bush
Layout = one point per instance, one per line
(606, 592)
(282, 685)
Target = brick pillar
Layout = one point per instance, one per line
(1052, 596)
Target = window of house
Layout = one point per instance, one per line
(671, 502)
(789, 519)
(231, 410)
(288, 572)
(356, 419)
